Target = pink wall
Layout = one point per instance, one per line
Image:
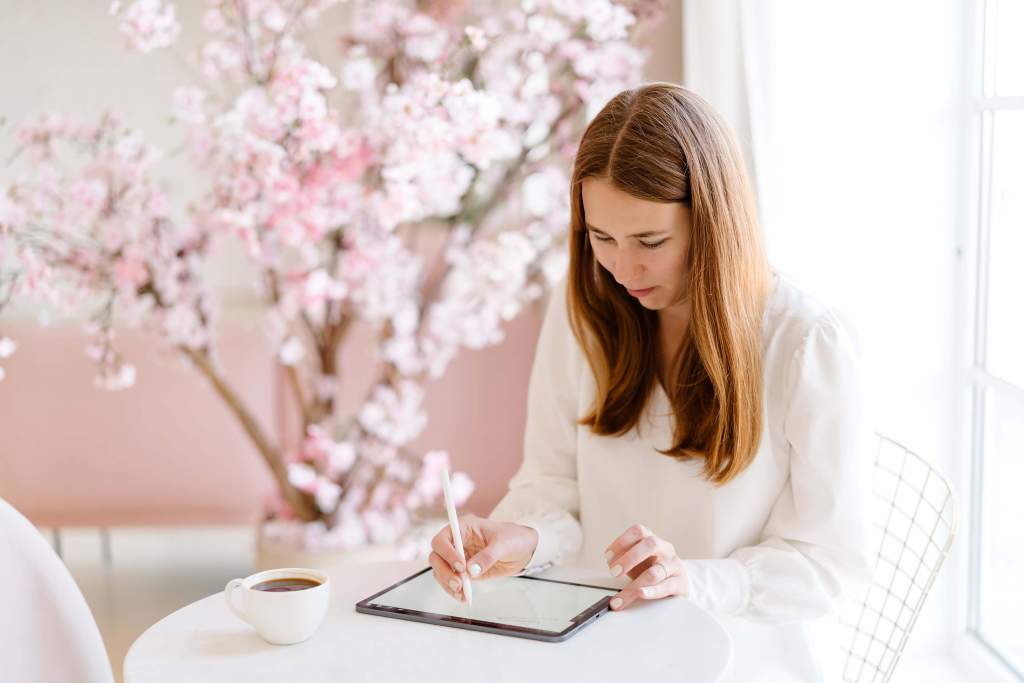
(168, 451)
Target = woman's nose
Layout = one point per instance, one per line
(627, 270)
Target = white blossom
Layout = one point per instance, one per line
(292, 352)
(302, 476)
(395, 415)
(148, 24)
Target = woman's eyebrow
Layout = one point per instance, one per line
(648, 233)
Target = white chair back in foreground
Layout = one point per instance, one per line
(47, 632)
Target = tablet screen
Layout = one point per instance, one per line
(522, 602)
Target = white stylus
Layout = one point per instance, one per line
(453, 522)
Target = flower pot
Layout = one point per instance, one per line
(275, 552)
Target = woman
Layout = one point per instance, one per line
(695, 422)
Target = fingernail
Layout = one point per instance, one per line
(616, 570)
(616, 603)
(608, 555)
(647, 591)
(474, 569)
(459, 567)
(455, 585)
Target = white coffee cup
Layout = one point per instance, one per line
(281, 618)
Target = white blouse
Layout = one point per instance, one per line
(781, 541)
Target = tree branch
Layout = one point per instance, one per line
(299, 502)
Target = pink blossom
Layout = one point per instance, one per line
(342, 457)
(302, 477)
(478, 38)
(7, 347)
(326, 495)
(321, 288)
(426, 40)
(275, 18)
(399, 470)
(549, 31)
(380, 527)
(182, 325)
(542, 191)
(222, 58)
(130, 270)
(358, 72)
(149, 25)
(382, 274)
(428, 482)
(377, 452)
(462, 488)
(376, 22)
(245, 188)
(120, 376)
(12, 215)
(89, 194)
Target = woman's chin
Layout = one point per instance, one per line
(651, 302)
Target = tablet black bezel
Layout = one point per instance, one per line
(366, 606)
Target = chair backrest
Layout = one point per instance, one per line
(47, 632)
(915, 519)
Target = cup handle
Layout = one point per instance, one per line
(229, 597)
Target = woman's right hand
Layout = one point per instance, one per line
(492, 549)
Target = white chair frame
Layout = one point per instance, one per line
(915, 517)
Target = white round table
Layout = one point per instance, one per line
(204, 641)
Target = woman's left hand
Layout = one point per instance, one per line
(651, 562)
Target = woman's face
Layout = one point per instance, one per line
(643, 244)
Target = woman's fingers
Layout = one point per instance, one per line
(626, 540)
(445, 577)
(482, 562)
(442, 544)
(664, 589)
(647, 547)
(492, 548)
(662, 579)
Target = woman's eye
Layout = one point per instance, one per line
(603, 239)
(654, 245)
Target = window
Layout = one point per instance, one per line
(997, 379)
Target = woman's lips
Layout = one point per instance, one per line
(639, 293)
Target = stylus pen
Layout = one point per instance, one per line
(453, 522)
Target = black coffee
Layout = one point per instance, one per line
(285, 585)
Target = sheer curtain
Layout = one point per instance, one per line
(852, 115)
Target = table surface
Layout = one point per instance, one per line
(204, 641)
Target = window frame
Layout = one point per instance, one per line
(982, 107)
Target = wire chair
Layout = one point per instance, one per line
(914, 515)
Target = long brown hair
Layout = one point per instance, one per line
(661, 142)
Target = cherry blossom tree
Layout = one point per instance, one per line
(436, 117)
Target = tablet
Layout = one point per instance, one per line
(518, 606)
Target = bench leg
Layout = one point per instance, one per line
(108, 557)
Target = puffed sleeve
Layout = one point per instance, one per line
(814, 547)
(544, 493)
